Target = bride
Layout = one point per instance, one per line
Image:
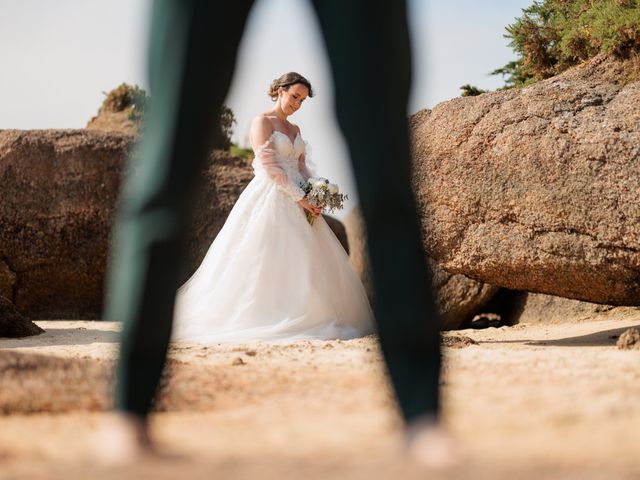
(269, 274)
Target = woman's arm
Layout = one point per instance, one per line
(265, 155)
(261, 130)
(306, 173)
(267, 159)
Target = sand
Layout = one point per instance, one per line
(529, 401)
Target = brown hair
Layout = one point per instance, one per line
(286, 81)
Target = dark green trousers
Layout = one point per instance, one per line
(192, 57)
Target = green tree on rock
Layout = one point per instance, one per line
(554, 35)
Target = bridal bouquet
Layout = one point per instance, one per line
(319, 192)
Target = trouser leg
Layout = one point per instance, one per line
(192, 54)
(369, 48)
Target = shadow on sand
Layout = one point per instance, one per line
(597, 339)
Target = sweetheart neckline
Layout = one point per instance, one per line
(292, 142)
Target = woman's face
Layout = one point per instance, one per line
(291, 99)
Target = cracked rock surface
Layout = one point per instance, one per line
(537, 189)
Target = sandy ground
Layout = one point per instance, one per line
(529, 401)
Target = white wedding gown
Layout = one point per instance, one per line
(269, 275)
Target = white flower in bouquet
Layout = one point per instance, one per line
(321, 193)
(320, 182)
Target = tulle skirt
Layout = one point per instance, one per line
(271, 276)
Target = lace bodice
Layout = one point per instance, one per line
(286, 148)
(279, 159)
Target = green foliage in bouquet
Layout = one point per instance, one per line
(553, 35)
(321, 193)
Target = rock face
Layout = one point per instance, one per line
(536, 189)
(60, 189)
(14, 325)
(458, 297)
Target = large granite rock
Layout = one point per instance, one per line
(458, 297)
(60, 189)
(536, 189)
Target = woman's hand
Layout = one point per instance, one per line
(315, 211)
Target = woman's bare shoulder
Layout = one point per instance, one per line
(262, 118)
(261, 130)
(262, 122)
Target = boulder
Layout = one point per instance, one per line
(60, 189)
(13, 324)
(535, 189)
(458, 298)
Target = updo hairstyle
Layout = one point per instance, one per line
(286, 81)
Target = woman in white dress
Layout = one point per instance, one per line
(270, 275)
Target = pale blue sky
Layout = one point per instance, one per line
(57, 58)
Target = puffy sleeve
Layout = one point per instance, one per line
(266, 162)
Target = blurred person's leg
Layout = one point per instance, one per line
(192, 55)
(369, 48)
